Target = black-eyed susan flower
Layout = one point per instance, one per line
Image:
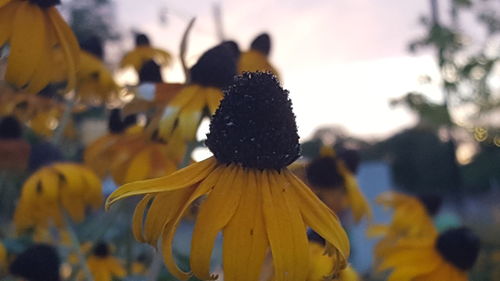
(336, 184)
(99, 154)
(39, 262)
(260, 207)
(214, 70)
(61, 187)
(256, 59)
(411, 218)
(445, 257)
(39, 38)
(144, 52)
(104, 266)
(134, 156)
(95, 82)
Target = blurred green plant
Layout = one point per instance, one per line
(90, 18)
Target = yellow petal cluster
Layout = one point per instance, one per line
(38, 39)
(259, 213)
(54, 189)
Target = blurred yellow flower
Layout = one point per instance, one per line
(54, 189)
(95, 83)
(102, 265)
(250, 196)
(144, 52)
(435, 258)
(256, 59)
(38, 38)
(213, 71)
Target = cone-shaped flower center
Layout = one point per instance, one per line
(459, 247)
(254, 125)
(38, 263)
(323, 172)
(215, 68)
(101, 249)
(45, 3)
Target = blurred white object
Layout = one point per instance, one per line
(146, 91)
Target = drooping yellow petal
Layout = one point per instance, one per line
(138, 217)
(164, 207)
(422, 258)
(245, 239)
(50, 185)
(190, 117)
(4, 2)
(215, 212)
(180, 179)
(42, 73)
(181, 100)
(213, 97)
(203, 188)
(7, 13)
(318, 216)
(139, 167)
(68, 43)
(26, 44)
(285, 228)
(357, 200)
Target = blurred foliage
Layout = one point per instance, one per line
(420, 161)
(483, 171)
(467, 54)
(93, 18)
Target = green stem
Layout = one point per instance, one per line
(76, 247)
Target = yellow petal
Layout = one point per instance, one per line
(42, 73)
(423, 258)
(115, 267)
(26, 44)
(245, 239)
(180, 179)
(7, 13)
(182, 99)
(285, 228)
(139, 167)
(170, 228)
(4, 2)
(50, 185)
(215, 212)
(318, 216)
(68, 43)
(213, 97)
(190, 116)
(138, 217)
(164, 207)
(357, 200)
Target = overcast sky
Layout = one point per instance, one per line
(341, 60)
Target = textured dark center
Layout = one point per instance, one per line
(215, 68)
(38, 263)
(101, 249)
(254, 125)
(459, 247)
(432, 203)
(45, 3)
(262, 43)
(323, 172)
